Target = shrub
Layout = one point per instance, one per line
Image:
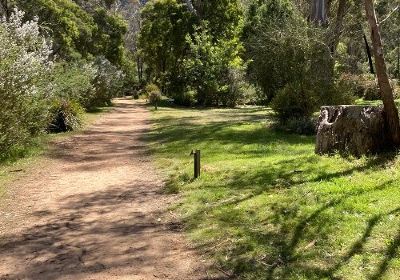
(65, 115)
(213, 69)
(351, 83)
(294, 101)
(371, 92)
(74, 81)
(153, 94)
(363, 86)
(24, 64)
(234, 91)
(186, 98)
(108, 83)
(249, 95)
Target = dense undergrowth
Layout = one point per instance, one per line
(267, 207)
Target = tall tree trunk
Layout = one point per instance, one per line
(319, 11)
(190, 6)
(391, 113)
(336, 29)
(369, 55)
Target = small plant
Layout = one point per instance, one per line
(66, 115)
(294, 101)
(153, 94)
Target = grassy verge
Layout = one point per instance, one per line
(374, 102)
(29, 155)
(267, 207)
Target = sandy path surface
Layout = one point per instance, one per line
(93, 209)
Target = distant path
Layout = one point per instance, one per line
(93, 209)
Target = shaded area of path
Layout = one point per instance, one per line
(93, 209)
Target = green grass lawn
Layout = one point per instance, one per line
(267, 207)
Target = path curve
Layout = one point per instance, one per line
(93, 209)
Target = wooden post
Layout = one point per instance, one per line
(196, 155)
(197, 164)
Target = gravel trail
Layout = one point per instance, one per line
(93, 209)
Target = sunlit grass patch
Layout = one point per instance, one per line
(266, 206)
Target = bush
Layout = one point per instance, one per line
(233, 93)
(249, 95)
(351, 83)
(24, 64)
(65, 115)
(294, 101)
(213, 69)
(153, 94)
(362, 86)
(108, 83)
(186, 98)
(372, 92)
(74, 81)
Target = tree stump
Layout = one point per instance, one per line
(353, 130)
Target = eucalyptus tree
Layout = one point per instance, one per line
(391, 112)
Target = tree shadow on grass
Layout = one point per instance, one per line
(291, 227)
(283, 253)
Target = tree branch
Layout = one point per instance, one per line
(390, 14)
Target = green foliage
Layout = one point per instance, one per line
(363, 86)
(212, 69)
(65, 115)
(301, 126)
(76, 32)
(39, 94)
(23, 91)
(108, 83)
(109, 38)
(295, 101)
(372, 92)
(193, 55)
(223, 17)
(352, 83)
(153, 94)
(74, 81)
(290, 61)
(277, 43)
(162, 40)
(70, 26)
(186, 98)
(90, 83)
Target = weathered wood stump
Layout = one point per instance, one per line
(347, 129)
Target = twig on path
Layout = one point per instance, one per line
(16, 170)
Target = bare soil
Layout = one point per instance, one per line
(93, 208)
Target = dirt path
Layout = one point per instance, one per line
(93, 210)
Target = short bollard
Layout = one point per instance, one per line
(196, 155)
